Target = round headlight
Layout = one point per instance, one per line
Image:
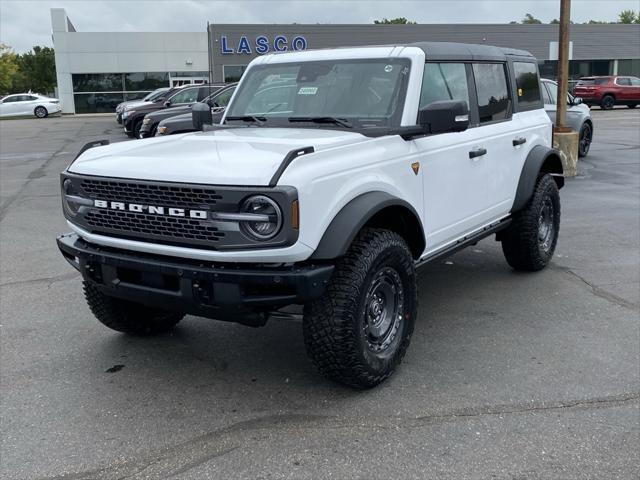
(68, 190)
(265, 228)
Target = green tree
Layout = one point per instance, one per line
(37, 71)
(628, 16)
(8, 68)
(530, 20)
(394, 21)
(555, 21)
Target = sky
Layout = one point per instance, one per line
(25, 23)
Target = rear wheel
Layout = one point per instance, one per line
(529, 242)
(607, 102)
(40, 112)
(632, 105)
(128, 317)
(585, 136)
(358, 332)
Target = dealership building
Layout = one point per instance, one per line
(97, 70)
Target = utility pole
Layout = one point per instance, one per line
(565, 140)
(563, 66)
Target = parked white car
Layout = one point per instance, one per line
(21, 104)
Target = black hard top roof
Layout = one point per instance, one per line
(467, 51)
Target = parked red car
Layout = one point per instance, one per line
(609, 91)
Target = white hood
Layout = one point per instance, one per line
(239, 156)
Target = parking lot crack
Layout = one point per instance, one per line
(598, 291)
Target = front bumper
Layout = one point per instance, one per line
(214, 290)
(145, 130)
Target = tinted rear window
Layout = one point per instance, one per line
(528, 86)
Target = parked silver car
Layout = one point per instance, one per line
(578, 114)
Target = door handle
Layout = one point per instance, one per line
(519, 141)
(477, 153)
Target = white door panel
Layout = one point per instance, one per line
(455, 197)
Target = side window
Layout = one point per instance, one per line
(493, 94)
(546, 96)
(32, 98)
(222, 99)
(188, 95)
(623, 81)
(444, 81)
(10, 99)
(553, 92)
(528, 85)
(635, 81)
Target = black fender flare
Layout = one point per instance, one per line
(540, 159)
(354, 216)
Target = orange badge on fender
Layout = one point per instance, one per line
(415, 166)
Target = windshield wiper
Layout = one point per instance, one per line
(248, 118)
(343, 122)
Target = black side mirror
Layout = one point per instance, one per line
(444, 116)
(201, 115)
(167, 103)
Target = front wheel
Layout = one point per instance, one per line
(358, 332)
(128, 317)
(40, 112)
(632, 105)
(585, 136)
(529, 242)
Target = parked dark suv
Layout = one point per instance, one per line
(151, 120)
(183, 123)
(609, 91)
(132, 119)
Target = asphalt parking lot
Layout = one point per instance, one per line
(509, 376)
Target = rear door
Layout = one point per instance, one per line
(503, 137)
(623, 89)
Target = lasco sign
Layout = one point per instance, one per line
(262, 44)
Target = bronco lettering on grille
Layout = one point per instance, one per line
(152, 209)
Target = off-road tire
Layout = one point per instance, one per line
(40, 112)
(128, 317)
(335, 325)
(521, 242)
(607, 102)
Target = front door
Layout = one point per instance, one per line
(453, 165)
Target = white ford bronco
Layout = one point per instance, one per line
(333, 175)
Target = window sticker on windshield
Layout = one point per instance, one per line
(388, 68)
(308, 90)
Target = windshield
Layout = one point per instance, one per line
(358, 93)
(155, 94)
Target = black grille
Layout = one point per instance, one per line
(176, 228)
(150, 194)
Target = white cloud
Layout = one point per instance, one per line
(24, 23)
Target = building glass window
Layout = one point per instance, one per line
(444, 81)
(629, 67)
(97, 82)
(97, 102)
(528, 85)
(493, 94)
(233, 73)
(145, 81)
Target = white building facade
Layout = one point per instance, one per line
(98, 70)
